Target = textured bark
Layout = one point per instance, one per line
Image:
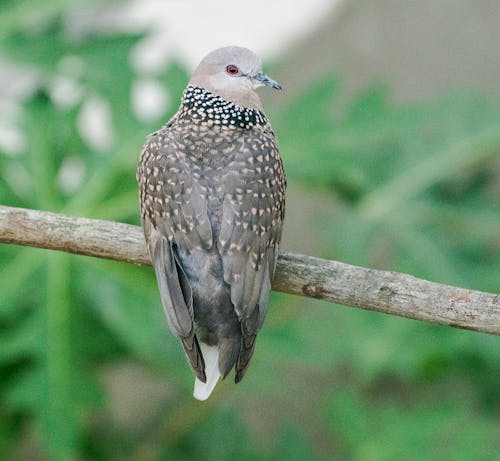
(382, 291)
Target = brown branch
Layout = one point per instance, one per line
(389, 292)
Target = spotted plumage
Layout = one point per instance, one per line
(212, 193)
(201, 104)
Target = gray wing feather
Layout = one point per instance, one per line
(170, 196)
(174, 212)
(251, 225)
(177, 298)
(252, 324)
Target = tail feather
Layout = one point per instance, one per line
(229, 349)
(194, 355)
(202, 390)
(246, 352)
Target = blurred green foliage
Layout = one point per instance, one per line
(416, 189)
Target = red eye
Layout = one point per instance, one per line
(232, 69)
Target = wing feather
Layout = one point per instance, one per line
(176, 296)
(251, 226)
(174, 214)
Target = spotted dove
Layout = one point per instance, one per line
(212, 193)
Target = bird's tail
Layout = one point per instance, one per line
(203, 390)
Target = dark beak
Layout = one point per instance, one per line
(267, 81)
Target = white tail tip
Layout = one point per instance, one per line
(203, 390)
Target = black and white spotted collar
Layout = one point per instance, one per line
(202, 104)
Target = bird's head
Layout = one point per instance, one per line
(233, 73)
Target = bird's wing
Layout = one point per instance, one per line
(174, 212)
(251, 224)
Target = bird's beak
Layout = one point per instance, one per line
(263, 79)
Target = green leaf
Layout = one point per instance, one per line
(59, 419)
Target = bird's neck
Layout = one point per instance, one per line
(203, 105)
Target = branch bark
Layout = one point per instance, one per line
(389, 292)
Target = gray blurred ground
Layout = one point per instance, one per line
(420, 49)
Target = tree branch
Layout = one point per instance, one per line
(389, 292)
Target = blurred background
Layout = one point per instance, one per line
(389, 126)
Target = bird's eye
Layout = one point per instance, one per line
(232, 69)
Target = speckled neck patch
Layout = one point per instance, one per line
(201, 104)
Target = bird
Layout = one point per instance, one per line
(212, 197)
